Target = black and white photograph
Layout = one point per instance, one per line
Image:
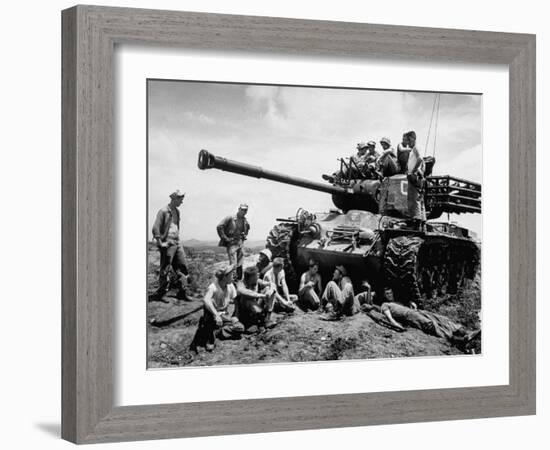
(290, 224)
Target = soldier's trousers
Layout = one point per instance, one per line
(384, 189)
(208, 330)
(251, 311)
(415, 200)
(309, 300)
(236, 257)
(343, 303)
(173, 256)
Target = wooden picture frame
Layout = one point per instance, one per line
(89, 37)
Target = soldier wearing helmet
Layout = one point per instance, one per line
(387, 166)
(264, 261)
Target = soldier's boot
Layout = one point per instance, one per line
(269, 322)
(182, 286)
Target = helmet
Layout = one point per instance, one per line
(361, 145)
(385, 140)
(267, 253)
(371, 143)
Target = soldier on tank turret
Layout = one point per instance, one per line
(356, 165)
(403, 151)
(387, 167)
(415, 178)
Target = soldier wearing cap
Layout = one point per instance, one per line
(255, 301)
(284, 300)
(339, 296)
(217, 320)
(387, 166)
(233, 231)
(166, 234)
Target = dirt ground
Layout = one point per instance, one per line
(297, 337)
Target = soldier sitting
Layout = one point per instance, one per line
(339, 296)
(255, 299)
(216, 320)
(310, 289)
(284, 301)
(264, 261)
(355, 166)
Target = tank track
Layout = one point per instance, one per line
(401, 268)
(415, 267)
(280, 242)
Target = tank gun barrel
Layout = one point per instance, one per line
(208, 160)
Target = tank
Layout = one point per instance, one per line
(387, 251)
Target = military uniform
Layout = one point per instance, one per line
(341, 296)
(415, 185)
(233, 231)
(387, 166)
(166, 233)
(220, 298)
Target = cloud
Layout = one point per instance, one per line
(298, 131)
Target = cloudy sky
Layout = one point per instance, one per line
(296, 130)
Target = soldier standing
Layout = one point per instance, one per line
(387, 165)
(166, 234)
(415, 178)
(233, 231)
(403, 151)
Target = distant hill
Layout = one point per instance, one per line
(197, 243)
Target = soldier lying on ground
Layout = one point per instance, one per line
(339, 296)
(255, 299)
(284, 300)
(216, 320)
(310, 289)
(429, 322)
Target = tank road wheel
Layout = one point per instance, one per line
(401, 268)
(279, 241)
